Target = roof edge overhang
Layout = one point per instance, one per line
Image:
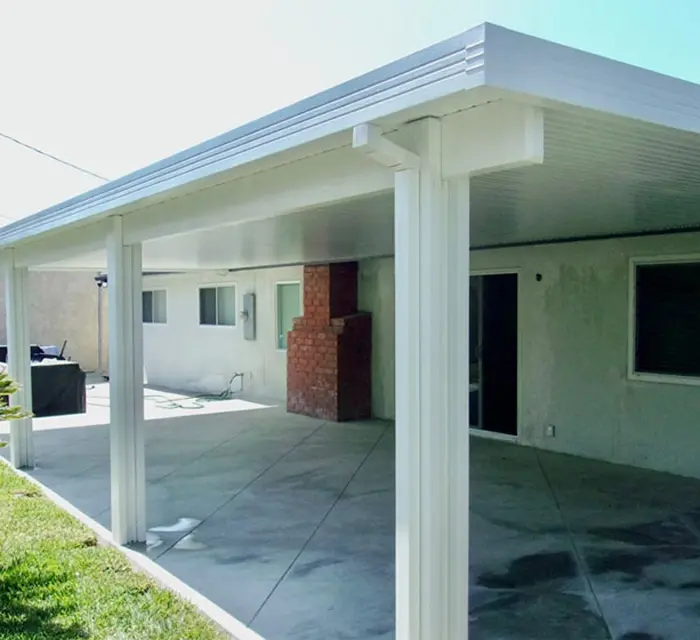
(430, 74)
(487, 57)
(552, 74)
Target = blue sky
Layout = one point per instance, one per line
(115, 87)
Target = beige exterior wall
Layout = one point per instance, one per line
(574, 335)
(574, 332)
(62, 306)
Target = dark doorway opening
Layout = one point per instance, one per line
(493, 388)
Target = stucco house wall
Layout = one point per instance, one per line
(62, 306)
(574, 328)
(574, 333)
(183, 355)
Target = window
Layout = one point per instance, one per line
(667, 319)
(288, 308)
(155, 307)
(217, 306)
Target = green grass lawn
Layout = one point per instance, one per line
(56, 582)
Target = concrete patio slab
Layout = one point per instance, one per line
(288, 523)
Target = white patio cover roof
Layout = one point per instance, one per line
(619, 154)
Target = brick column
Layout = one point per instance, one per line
(329, 350)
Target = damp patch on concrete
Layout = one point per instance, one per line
(304, 569)
(242, 558)
(670, 531)
(532, 614)
(632, 564)
(532, 570)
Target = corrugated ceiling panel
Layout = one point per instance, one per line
(602, 175)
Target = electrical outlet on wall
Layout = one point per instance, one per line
(550, 431)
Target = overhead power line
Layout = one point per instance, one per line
(56, 158)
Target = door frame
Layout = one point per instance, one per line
(490, 434)
(480, 296)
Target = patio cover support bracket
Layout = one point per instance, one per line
(19, 361)
(368, 139)
(432, 377)
(127, 448)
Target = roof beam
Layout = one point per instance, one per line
(62, 245)
(324, 179)
(492, 137)
(368, 139)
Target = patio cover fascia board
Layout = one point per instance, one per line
(488, 55)
(550, 74)
(438, 71)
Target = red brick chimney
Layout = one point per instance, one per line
(329, 350)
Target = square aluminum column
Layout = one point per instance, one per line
(127, 448)
(19, 360)
(432, 382)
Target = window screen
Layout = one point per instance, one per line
(207, 306)
(160, 305)
(155, 307)
(668, 319)
(288, 308)
(148, 306)
(226, 306)
(217, 306)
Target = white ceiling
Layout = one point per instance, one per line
(602, 175)
(362, 227)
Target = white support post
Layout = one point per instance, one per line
(127, 450)
(457, 424)
(432, 382)
(19, 360)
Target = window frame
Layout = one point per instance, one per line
(153, 290)
(632, 373)
(278, 284)
(217, 285)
